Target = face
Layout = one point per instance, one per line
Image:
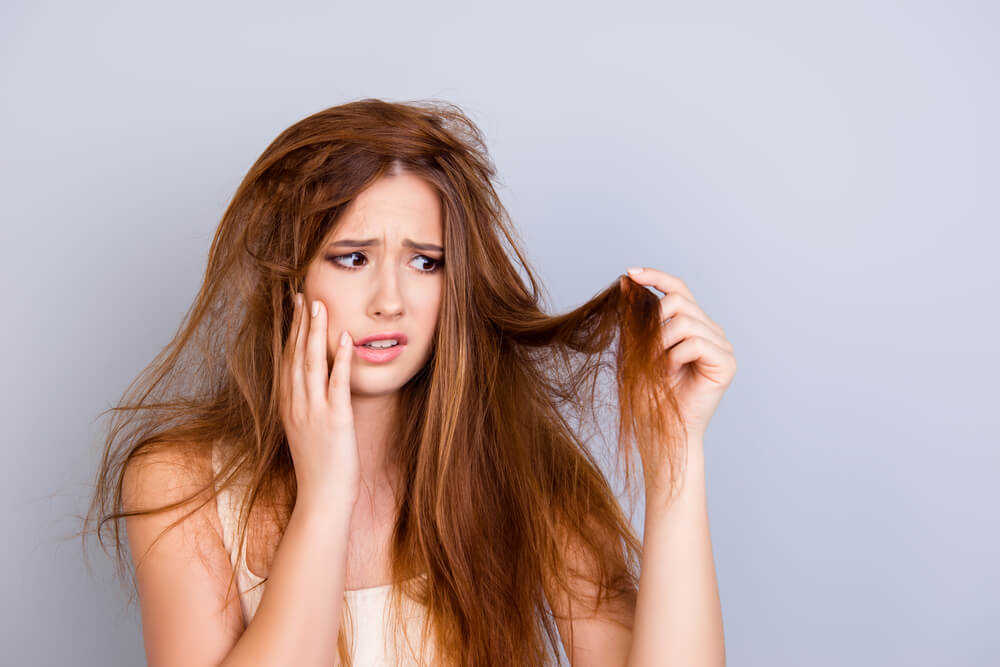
(381, 271)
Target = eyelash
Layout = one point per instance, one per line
(438, 263)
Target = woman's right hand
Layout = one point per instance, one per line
(315, 409)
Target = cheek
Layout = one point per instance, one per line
(335, 323)
(433, 310)
(425, 300)
(427, 310)
(338, 317)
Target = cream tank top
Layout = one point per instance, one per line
(367, 636)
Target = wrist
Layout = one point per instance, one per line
(339, 504)
(692, 472)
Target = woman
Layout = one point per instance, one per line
(276, 446)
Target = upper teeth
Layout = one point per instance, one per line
(382, 343)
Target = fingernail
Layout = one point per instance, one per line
(315, 308)
(344, 337)
(633, 270)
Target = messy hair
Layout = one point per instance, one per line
(500, 483)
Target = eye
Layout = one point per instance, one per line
(436, 263)
(336, 260)
(347, 262)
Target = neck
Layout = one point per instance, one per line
(372, 417)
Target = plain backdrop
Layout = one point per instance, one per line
(823, 175)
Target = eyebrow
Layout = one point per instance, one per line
(364, 243)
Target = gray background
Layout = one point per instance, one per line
(822, 175)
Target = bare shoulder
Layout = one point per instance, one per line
(176, 474)
(179, 466)
(182, 568)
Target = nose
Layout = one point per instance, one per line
(387, 301)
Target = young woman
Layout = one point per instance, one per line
(363, 427)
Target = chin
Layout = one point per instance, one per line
(378, 383)
(355, 393)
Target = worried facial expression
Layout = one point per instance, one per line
(381, 271)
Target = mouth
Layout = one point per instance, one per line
(379, 355)
(383, 336)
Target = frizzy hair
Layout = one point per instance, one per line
(497, 486)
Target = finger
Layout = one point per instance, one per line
(298, 351)
(315, 361)
(682, 327)
(675, 304)
(289, 347)
(669, 284)
(661, 281)
(707, 355)
(340, 378)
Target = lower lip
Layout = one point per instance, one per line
(379, 356)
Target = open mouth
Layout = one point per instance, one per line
(379, 352)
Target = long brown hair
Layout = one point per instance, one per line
(497, 484)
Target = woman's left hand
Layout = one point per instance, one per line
(700, 361)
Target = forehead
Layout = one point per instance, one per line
(403, 205)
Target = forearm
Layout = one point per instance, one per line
(298, 618)
(678, 617)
